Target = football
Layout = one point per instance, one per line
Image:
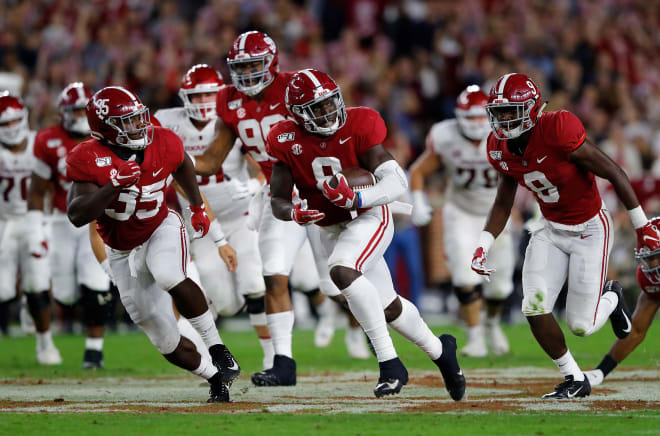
(358, 178)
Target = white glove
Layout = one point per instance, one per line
(422, 211)
(106, 267)
(36, 239)
(486, 240)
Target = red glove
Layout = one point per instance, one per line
(342, 196)
(648, 236)
(128, 173)
(200, 221)
(304, 217)
(479, 263)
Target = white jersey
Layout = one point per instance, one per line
(15, 172)
(218, 188)
(472, 180)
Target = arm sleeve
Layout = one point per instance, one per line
(391, 184)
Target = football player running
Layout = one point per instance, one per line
(248, 109)
(459, 145)
(648, 302)
(356, 227)
(23, 246)
(228, 195)
(119, 179)
(548, 154)
(76, 275)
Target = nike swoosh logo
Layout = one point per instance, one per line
(541, 160)
(460, 372)
(124, 177)
(273, 106)
(627, 329)
(650, 238)
(571, 395)
(157, 172)
(389, 385)
(234, 367)
(341, 141)
(584, 236)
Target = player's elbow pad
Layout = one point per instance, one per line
(391, 184)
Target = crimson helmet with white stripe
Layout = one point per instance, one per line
(315, 102)
(72, 98)
(471, 113)
(514, 105)
(117, 116)
(252, 62)
(200, 79)
(649, 255)
(13, 120)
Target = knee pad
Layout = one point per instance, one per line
(255, 304)
(38, 301)
(467, 297)
(96, 306)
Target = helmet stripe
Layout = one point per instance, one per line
(124, 90)
(312, 77)
(500, 89)
(241, 43)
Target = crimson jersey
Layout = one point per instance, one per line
(131, 218)
(314, 159)
(566, 193)
(251, 120)
(51, 147)
(645, 284)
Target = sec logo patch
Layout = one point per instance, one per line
(240, 113)
(296, 149)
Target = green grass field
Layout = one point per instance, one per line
(140, 393)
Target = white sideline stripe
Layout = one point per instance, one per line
(312, 77)
(500, 89)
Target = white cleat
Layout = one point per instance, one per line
(325, 330)
(49, 356)
(497, 340)
(595, 376)
(475, 348)
(356, 344)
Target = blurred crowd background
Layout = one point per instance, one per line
(408, 59)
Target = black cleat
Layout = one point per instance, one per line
(218, 391)
(393, 375)
(225, 362)
(451, 372)
(620, 316)
(93, 359)
(283, 373)
(570, 388)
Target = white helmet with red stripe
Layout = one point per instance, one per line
(13, 120)
(315, 102)
(73, 98)
(649, 255)
(200, 79)
(252, 62)
(514, 105)
(471, 113)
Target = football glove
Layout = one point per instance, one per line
(199, 220)
(342, 196)
(422, 211)
(479, 263)
(303, 216)
(128, 173)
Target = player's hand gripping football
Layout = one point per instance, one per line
(304, 216)
(199, 220)
(342, 196)
(479, 263)
(128, 173)
(647, 236)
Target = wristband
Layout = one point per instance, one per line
(419, 197)
(359, 198)
(215, 231)
(638, 217)
(486, 240)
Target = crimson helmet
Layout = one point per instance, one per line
(513, 92)
(117, 116)
(12, 109)
(471, 113)
(315, 101)
(251, 47)
(200, 79)
(74, 97)
(648, 255)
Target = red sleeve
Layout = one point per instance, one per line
(371, 130)
(78, 167)
(569, 131)
(221, 101)
(272, 145)
(40, 150)
(155, 121)
(175, 146)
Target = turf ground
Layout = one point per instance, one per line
(140, 393)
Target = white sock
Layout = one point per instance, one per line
(269, 352)
(205, 326)
(326, 309)
(258, 319)
(411, 326)
(186, 329)
(568, 366)
(206, 368)
(475, 333)
(364, 302)
(94, 344)
(44, 340)
(608, 302)
(281, 330)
